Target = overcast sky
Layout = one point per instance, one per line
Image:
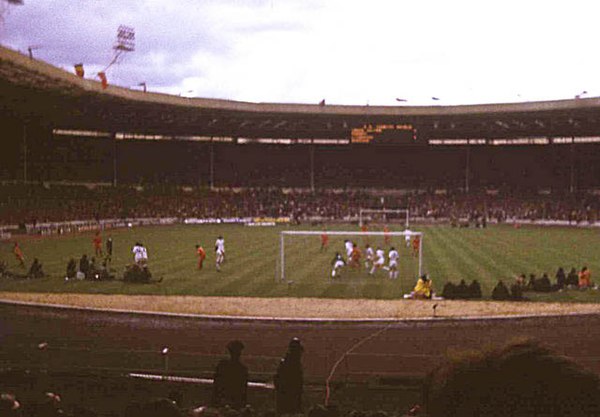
(344, 51)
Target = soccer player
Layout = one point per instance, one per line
(407, 233)
(386, 236)
(324, 240)
(370, 256)
(220, 247)
(201, 255)
(220, 253)
(19, 254)
(109, 248)
(349, 246)
(379, 260)
(416, 243)
(355, 256)
(97, 244)
(137, 251)
(144, 255)
(393, 262)
(338, 263)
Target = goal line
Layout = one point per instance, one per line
(285, 233)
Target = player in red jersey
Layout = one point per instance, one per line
(19, 254)
(324, 240)
(201, 255)
(97, 244)
(386, 236)
(355, 256)
(416, 243)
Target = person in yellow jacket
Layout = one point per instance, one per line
(424, 288)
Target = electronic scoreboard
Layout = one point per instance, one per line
(388, 134)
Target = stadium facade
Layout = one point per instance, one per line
(58, 126)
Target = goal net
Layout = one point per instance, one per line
(383, 216)
(307, 255)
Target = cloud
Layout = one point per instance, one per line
(347, 51)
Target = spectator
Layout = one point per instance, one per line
(161, 407)
(521, 281)
(516, 292)
(71, 269)
(449, 291)
(9, 406)
(289, 380)
(231, 379)
(585, 278)
(521, 379)
(543, 284)
(475, 289)
(531, 285)
(35, 271)
(84, 265)
(561, 278)
(462, 290)
(572, 279)
(500, 292)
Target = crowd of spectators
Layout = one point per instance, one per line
(37, 204)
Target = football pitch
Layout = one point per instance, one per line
(252, 266)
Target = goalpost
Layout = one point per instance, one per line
(285, 233)
(363, 212)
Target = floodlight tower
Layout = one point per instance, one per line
(125, 39)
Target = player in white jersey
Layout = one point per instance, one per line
(407, 237)
(338, 263)
(220, 244)
(137, 253)
(370, 257)
(220, 256)
(349, 246)
(393, 262)
(219, 252)
(379, 260)
(144, 255)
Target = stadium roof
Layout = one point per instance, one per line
(36, 92)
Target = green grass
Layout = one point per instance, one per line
(498, 252)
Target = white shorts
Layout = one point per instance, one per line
(338, 264)
(379, 262)
(394, 264)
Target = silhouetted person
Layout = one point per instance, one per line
(71, 269)
(561, 278)
(109, 248)
(231, 379)
(500, 292)
(35, 271)
(84, 265)
(572, 278)
(475, 289)
(289, 380)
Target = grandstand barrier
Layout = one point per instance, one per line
(75, 226)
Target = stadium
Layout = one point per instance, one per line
(493, 191)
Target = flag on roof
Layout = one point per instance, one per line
(322, 103)
(79, 70)
(435, 98)
(102, 76)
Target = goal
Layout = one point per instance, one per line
(294, 242)
(383, 216)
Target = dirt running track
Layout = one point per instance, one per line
(87, 339)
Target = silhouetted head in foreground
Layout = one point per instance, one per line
(521, 379)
